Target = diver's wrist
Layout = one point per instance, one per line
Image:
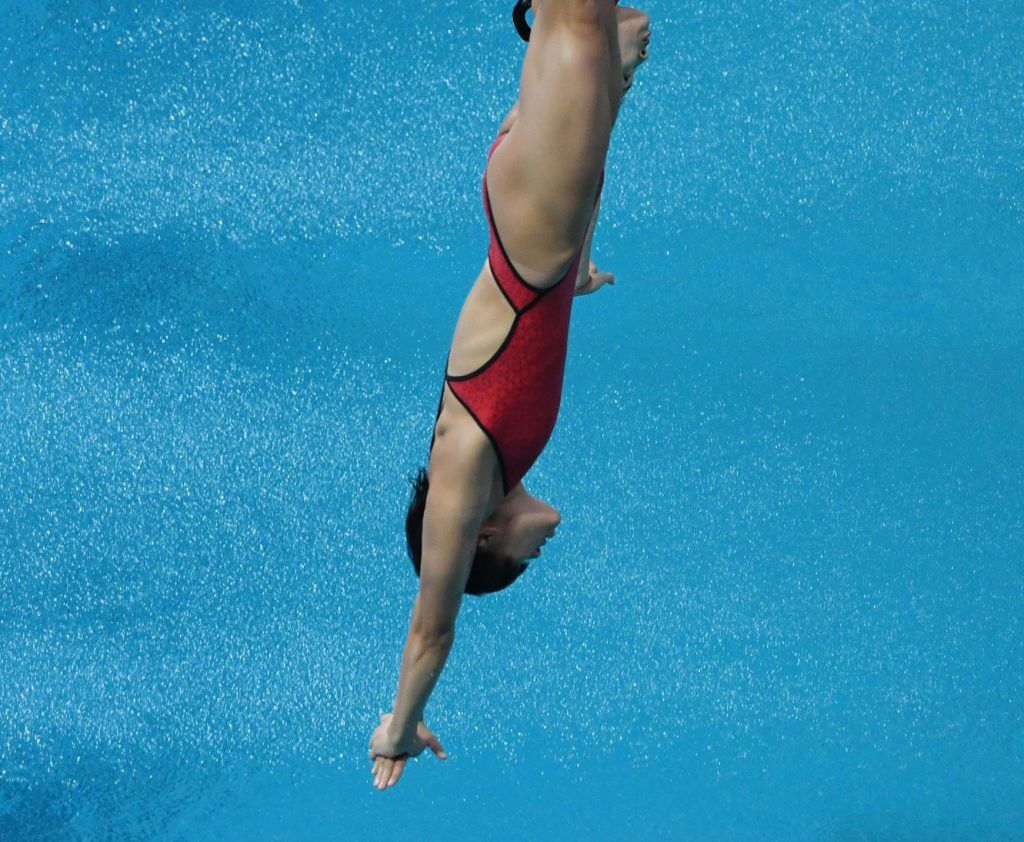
(399, 732)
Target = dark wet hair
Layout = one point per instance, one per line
(490, 572)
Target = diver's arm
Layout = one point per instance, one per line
(583, 274)
(451, 527)
(589, 278)
(423, 659)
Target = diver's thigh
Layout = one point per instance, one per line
(547, 169)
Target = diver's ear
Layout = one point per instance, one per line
(486, 533)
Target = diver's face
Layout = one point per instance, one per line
(634, 37)
(519, 527)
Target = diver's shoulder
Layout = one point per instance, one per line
(462, 460)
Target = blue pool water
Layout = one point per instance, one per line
(786, 598)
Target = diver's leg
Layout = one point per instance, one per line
(542, 180)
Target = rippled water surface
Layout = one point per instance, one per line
(785, 600)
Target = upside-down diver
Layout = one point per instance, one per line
(471, 526)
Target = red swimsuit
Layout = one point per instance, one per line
(514, 396)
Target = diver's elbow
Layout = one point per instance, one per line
(438, 638)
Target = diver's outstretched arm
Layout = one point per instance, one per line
(455, 508)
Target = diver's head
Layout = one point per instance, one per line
(504, 542)
(519, 526)
(634, 37)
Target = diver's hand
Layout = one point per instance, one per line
(595, 280)
(390, 752)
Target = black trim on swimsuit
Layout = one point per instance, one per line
(490, 361)
(544, 292)
(511, 330)
(504, 292)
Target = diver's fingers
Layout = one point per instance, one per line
(384, 772)
(435, 746)
(396, 773)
